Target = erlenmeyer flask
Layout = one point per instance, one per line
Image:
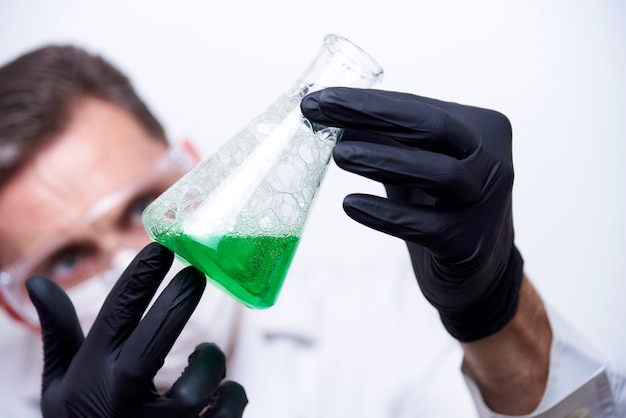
(238, 216)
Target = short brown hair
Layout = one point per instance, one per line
(36, 93)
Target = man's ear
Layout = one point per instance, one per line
(191, 150)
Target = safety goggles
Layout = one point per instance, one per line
(87, 248)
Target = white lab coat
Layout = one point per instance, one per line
(354, 341)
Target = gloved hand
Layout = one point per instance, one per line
(448, 173)
(110, 372)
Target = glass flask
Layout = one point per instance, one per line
(238, 215)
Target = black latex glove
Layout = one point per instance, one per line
(110, 372)
(448, 173)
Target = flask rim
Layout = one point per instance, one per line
(352, 51)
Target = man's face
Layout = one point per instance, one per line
(102, 150)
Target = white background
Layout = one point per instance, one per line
(555, 68)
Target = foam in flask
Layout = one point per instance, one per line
(238, 215)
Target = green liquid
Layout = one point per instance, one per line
(250, 268)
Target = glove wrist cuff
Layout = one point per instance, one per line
(495, 311)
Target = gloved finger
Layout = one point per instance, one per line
(230, 402)
(146, 348)
(411, 119)
(421, 224)
(196, 389)
(61, 332)
(447, 179)
(129, 298)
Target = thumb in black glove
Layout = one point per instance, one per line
(110, 372)
(448, 172)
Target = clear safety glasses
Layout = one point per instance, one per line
(87, 248)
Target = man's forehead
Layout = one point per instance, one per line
(74, 174)
(102, 150)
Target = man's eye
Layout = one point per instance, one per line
(142, 203)
(71, 265)
(66, 264)
(136, 208)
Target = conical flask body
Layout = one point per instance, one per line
(238, 216)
